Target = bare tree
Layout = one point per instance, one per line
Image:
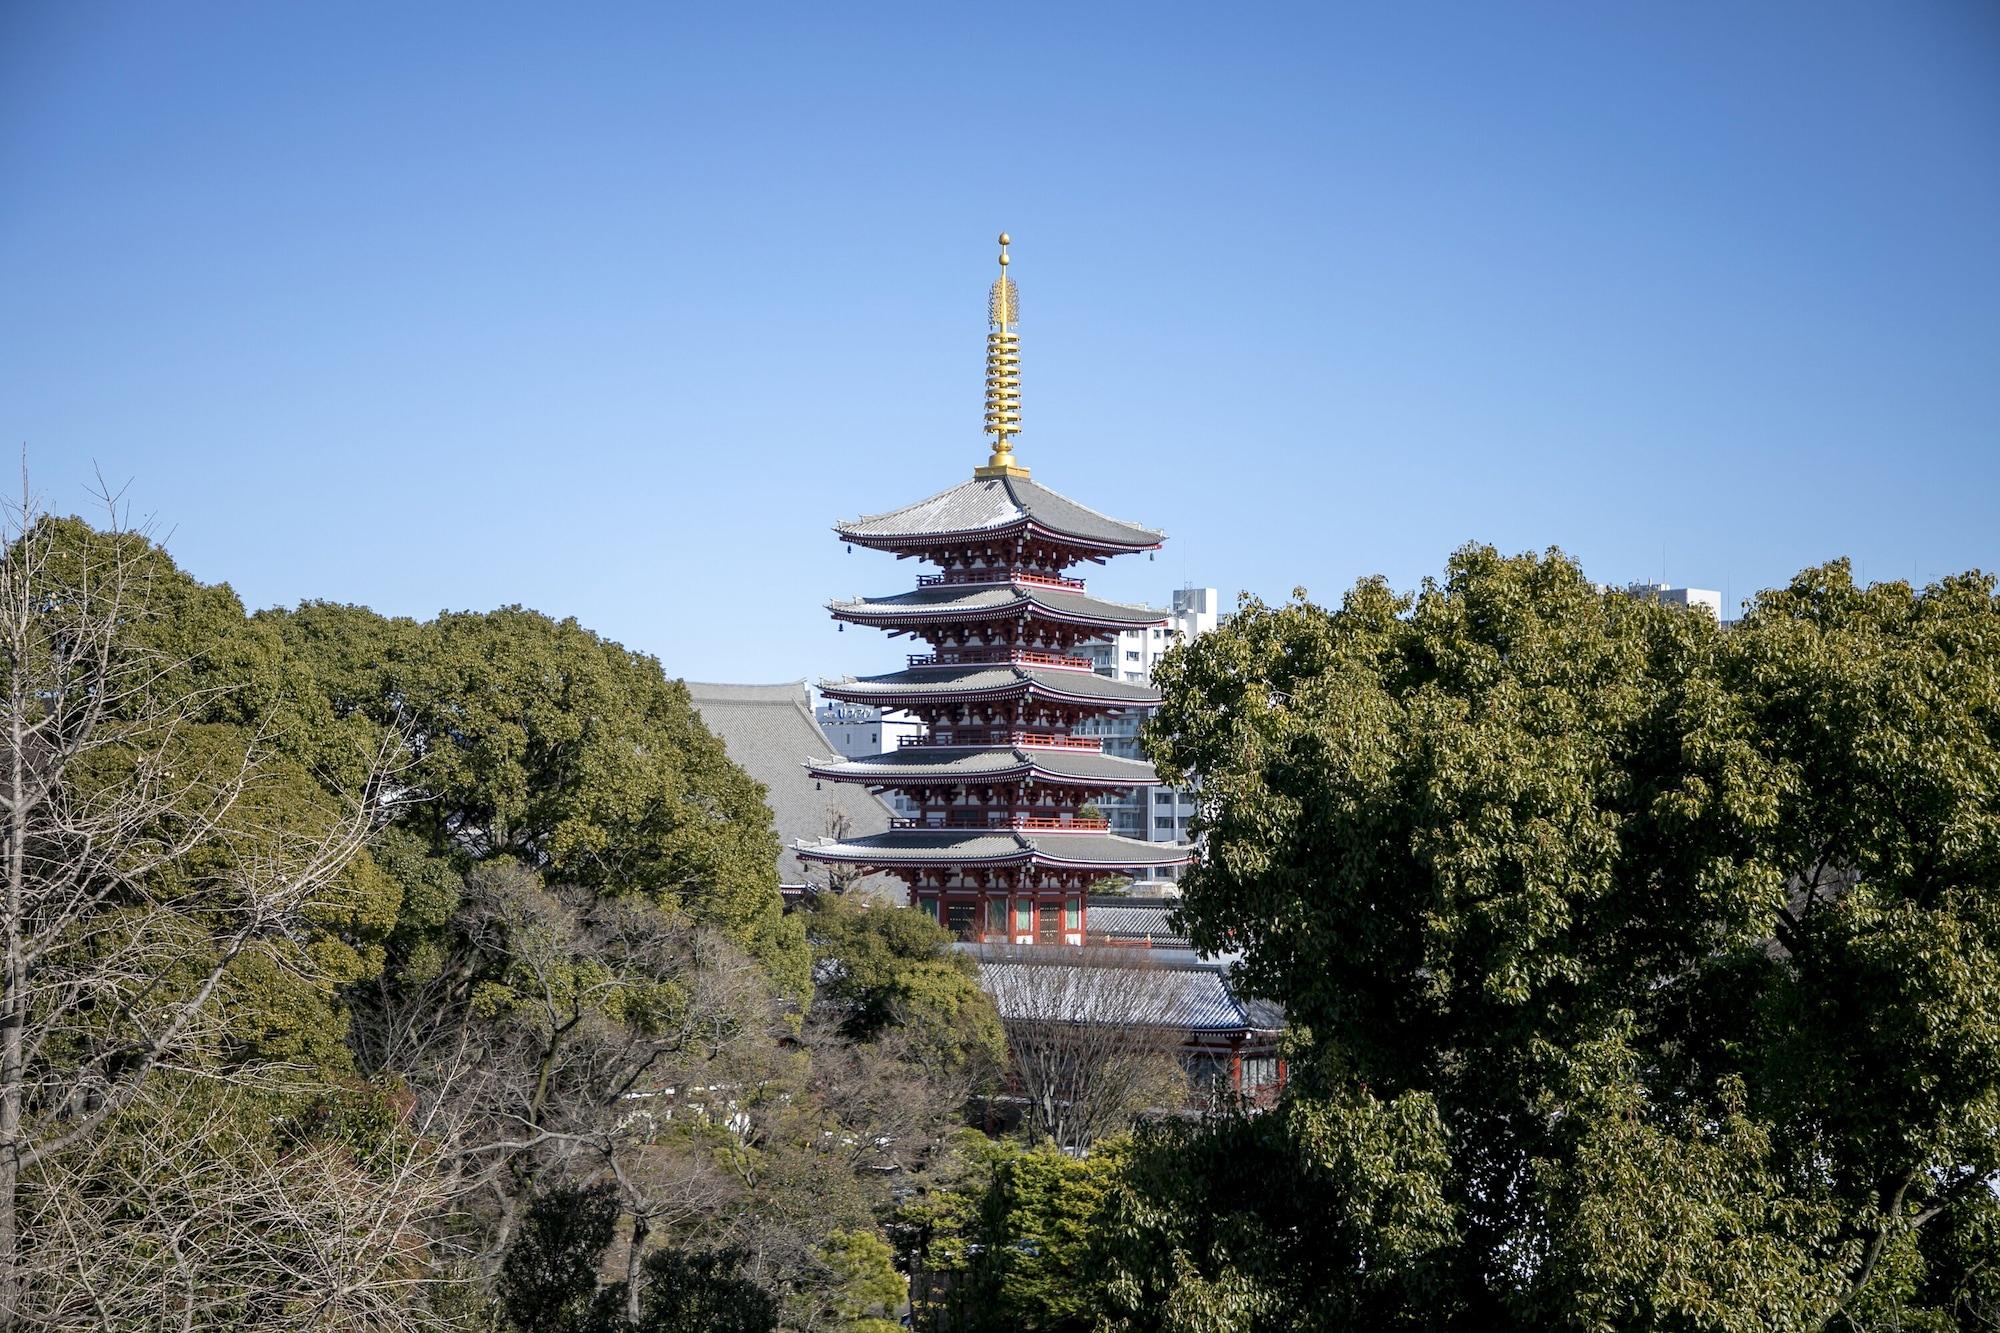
(1092, 1034)
(135, 870)
(229, 1228)
(576, 1038)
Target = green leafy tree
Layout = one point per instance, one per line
(866, 1289)
(548, 1282)
(880, 967)
(1015, 1241)
(539, 741)
(184, 894)
(1663, 958)
(703, 1291)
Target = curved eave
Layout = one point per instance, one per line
(919, 848)
(921, 609)
(909, 687)
(922, 543)
(985, 509)
(930, 767)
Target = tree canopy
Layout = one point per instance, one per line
(1648, 968)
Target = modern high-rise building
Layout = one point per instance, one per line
(1003, 847)
(1158, 814)
(1707, 599)
(860, 732)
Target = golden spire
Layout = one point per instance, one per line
(1003, 375)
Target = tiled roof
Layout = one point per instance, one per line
(1000, 682)
(1134, 920)
(1194, 996)
(769, 731)
(976, 602)
(918, 763)
(990, 506)
(921, 846)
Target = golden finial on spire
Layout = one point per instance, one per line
(1003, 374)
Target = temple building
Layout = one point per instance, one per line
(766, 729)
(1004, 840)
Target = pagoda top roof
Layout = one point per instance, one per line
(987, 507)
(955, 763)
(999, 681)
(996, 846)
(978, 602)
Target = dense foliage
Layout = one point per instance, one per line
(534, 1047)
(1643, 973)
(1646, 972)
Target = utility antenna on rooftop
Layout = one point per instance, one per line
(1003, 374)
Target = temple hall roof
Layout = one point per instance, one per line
(979, 602)
(1195, 994)
(993, 507)
(919, 684)
(1135, 921)
(996, 846)
(941, 763)
(769, 731)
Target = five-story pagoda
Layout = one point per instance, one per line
(1002, 849)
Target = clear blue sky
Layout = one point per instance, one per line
(612, 309)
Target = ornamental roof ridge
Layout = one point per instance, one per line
(975, 599)
(932, 763)
(999, 679)
(986, 506)
(996, 845)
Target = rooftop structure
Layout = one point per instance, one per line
(1000, 847)
(768, 730)
(1707, 599)
(1227, 1042)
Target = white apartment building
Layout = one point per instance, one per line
(858, 732)
(1706, 598)
(1155, 814)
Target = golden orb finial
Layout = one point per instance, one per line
(1003, 374)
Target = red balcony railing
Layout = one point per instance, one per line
(1000, 657)
(1049, 741)
(1024, 823)
(1029, 740)
(988, 577)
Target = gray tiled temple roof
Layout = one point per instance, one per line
(990, 506)
(999, 846)
(917, 763)
(1134, 920)
(1195, 995)
(769, 731)
(948, 601)
(918, 683)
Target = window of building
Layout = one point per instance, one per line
(1073, 914)
(1207, 1069)
(1131, 654)
(961, 918)
(1163, 822)
(1259, 1071)
(1024, 916)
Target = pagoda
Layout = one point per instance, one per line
(1003, 848)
